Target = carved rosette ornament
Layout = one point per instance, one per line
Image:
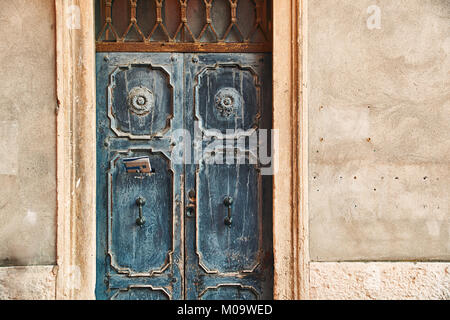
(141, 100)
(228, 100)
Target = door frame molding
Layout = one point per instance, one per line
(76, 150)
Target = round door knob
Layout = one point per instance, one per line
(140, 221)
(228, 201)
(140, 201)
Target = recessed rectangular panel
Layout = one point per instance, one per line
(140, 293)
(228, 97)
(229, 292)
(231, 245)
(140, 247)
(140, 98)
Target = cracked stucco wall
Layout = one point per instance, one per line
(27, 133)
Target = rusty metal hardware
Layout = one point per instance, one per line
(141, 220)
(252, 35)
(228, 202)
(190, 208)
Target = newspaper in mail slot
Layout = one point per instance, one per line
(137, 165)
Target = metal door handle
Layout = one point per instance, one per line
(228, 201)
(141, 220)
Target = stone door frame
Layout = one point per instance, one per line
(76, 150)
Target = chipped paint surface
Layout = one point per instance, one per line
(223, 237)
(379, 110)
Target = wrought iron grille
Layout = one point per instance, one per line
(184, 25)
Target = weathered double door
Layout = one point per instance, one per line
(183, 211)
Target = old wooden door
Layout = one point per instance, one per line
(183, 210)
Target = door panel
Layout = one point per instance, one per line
(195, 229)
(228, 260)
(140, 294)
(233, 248)
(231, 292)
(227, 97)
(146, 249)
(140, 98)
(139, 104)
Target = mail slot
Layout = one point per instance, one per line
(138, 165)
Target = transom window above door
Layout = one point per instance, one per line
(184, 25)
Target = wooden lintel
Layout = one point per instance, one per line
(182, 47)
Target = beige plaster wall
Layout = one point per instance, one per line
(379, 131)
(380, 280)
(28, 283)
(27, 134)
